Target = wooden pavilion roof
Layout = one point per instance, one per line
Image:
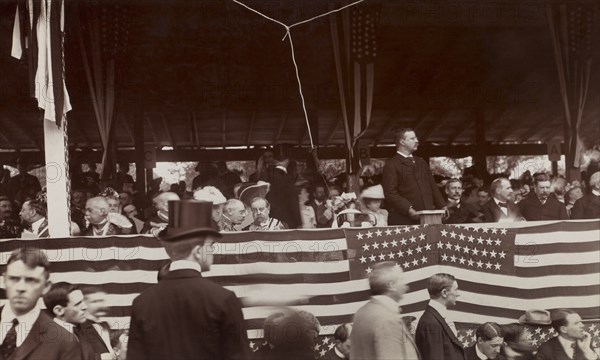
(212, 74)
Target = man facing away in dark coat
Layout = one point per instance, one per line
(282, 195)
(436, 332)
(186, 316)
(407, 182)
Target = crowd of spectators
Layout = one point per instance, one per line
(279, 196)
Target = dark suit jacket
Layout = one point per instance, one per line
(185, 316)
(331, 355)
(47, 341)
(284, 200)
(407, 184)
(465, 213)
(379, 333)
(112, 230)
(435, 339)
(492, 213)
(92, 345)
(532, 208)
(552, 350)
(588, 207)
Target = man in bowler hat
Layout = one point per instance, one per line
(186, 316)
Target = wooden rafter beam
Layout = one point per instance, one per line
(163, 120)
(333, 130)
(194, 132)
(280, 129)
(303, 136)
(460, 131)
(420, 119)
(385, 129)
(435, 127)
(151, 127)
(533, 130)
(508, 131)
(128, 128)
(224, 130)
(9, 139)
(250, 128)
(16, 120)
(79, 129)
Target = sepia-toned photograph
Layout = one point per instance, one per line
(299, 179)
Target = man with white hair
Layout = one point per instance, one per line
(96, 213)
(160, 219)
(588, 207)
(379, 331)
(234, 214)
(214, 195)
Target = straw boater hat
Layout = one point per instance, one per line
(210, 193)
(249, 191)
(373, 192)
(188, 218)
(536, 317)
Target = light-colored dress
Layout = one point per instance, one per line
(381, 215)
(309, 219)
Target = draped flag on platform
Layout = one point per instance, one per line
(353, 34)
(531, 265)
(39, 31)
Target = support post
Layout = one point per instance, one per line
(480, 155)
(140, 173)
(57, 178)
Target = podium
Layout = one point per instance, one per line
(431, 216)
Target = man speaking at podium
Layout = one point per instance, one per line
(408, 185)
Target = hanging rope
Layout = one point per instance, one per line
(288, 35)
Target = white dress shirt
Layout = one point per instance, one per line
(26, 322)
(35, 227)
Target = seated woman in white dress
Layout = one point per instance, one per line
(371, 199)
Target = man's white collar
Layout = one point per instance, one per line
(185, 264)
(439, 307)
(338, 353)
(283, 168)
(67, 326)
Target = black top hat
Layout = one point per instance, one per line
(188, 218)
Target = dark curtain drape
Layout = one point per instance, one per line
(102, 40)
(572, 30)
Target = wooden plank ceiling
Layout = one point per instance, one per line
(211, 74)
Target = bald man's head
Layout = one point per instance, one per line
(161, 201)
(96, 210)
